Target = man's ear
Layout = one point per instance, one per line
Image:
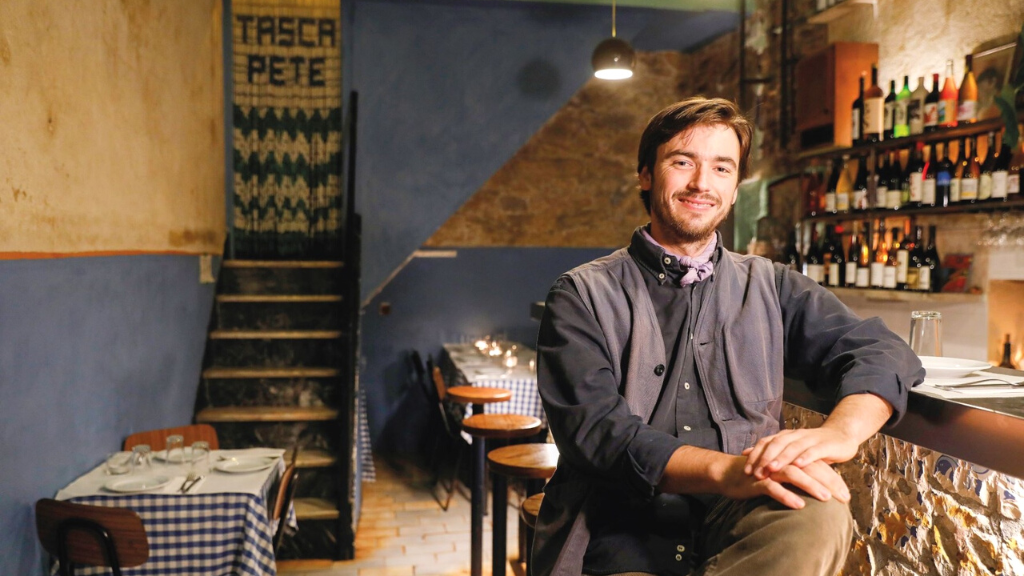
(735, 195)
(644, 176)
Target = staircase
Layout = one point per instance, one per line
(279, 372)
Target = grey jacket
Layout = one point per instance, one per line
(757, 323)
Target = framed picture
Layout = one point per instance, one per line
(992, 70)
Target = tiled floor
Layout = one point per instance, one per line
(403, 531)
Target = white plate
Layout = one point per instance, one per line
(939, 367)
(137, 484)
(162, 455)
(245, 464)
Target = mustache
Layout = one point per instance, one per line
(698, 197)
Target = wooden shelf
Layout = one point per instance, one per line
(271, 373)
(282, 264)
(315, 509)
(839, 10)
(878, 295)
(277, 298)
(312, 458)
(266, 414)
(959, 208)
(963, 130)
(275, 334)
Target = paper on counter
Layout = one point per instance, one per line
(954, 388)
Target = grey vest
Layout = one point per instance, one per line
(738, 347)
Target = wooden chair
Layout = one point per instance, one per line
(93, 535)
(158, 438)
(283, 501)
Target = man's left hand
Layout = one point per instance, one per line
(799, 448)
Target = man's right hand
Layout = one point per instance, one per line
(817, 479)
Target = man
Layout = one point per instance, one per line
(661, 370)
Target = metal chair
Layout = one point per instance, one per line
(450, 416)
(156, 438)
(92, 535)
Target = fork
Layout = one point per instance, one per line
(983, 382)
(191, 477)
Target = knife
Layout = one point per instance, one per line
(191, 485)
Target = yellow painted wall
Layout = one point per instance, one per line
(111, 126)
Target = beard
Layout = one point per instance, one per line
(680, 229)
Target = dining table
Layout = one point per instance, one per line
(466, 365)
(221, 526)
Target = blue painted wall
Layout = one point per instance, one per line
(437, 300)
(91, 350)
(449, 90)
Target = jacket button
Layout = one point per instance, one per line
(679, 557)
(659, 369)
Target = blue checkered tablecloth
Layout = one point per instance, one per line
(213, 534)
(522, 381)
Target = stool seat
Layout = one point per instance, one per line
(501, 425)
(524, 460)
(478, 394)
(530, 509)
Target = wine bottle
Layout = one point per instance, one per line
(948, 99)
(830, 191)
(1001, 173)
(928, 174)
(891, 264)
(790, 254)
(967, 109)
(987, 168)
(916, 169)
(874, 109)
(900, 126)
(894, 192)
(915, 109)
(931, 107)
(860, 185)
(971, 173)
(1007, 361)
(930, 281)
(857, 115)
(890, 112)
(943, 175)
(881, 182)
(1013, 176)
(844, 187)
(810, 186)
(957, 173)
(903, 261)
(879, 256)
(917, 266)
(837, 261)
(814, 258)
(852, 258)
(905, 180)
(864, 259)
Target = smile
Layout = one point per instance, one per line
(697, 203)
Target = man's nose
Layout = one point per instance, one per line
(701, 179)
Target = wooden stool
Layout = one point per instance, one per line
(477, 396)
(528, 513)
(492, 426)
(527, 461)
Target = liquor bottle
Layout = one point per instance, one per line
(881, 182)
(967, 110)
(987, 168)
(931, 107)
(900, 125)
(860, 185)
(864, 259)
(916, 263)
(790, 254)
(815, 269)
(905, 180)
(1007, 361)
(929, 282)
(903, 261)
(1001, 173)
(943, 175)
(970, 174)
(915, 169)
(894, 192)
(830, 191)
(1013, 176)
(810, 185)
(844, 187)
(852, 258)
(874, 109)
(915, 109)
(857, 115)
(948, 99)
(892, 264)
(837, 262)
(957, 173)
(879, 256)
(928, 173)
(890, 112)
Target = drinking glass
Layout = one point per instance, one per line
(119, 463)
(175, 449)
(141, 463)
(926, 333)
(201, 457)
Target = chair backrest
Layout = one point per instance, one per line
(283, 501)
(439, 383)
(74, 533)
(158, 438)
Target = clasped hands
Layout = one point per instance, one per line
(793, 458)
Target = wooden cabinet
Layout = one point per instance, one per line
(826, 86)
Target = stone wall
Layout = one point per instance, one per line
(922, 512)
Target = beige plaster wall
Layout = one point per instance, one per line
(111, 126)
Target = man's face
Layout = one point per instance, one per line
(693, 184)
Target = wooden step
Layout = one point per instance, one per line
(302, 372)
(275, 334)
(277, 298)
(266, 414)
(312, 458)
(315, 509)
(282, 264)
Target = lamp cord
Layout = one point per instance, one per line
(613, 18)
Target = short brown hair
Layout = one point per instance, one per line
(681, 116)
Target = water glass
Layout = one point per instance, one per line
(175, 449)
(119, 463)
(141, 461)
(926, 333)
(201, 457)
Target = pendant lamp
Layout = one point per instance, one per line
(613, 59)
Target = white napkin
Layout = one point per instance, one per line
(977, 385)
(175, 484)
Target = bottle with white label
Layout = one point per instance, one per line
(892, 264)
(894, 190)
(987, 168)
(1001, 173)
(844, 187)
(902, 261)
(874, 109)
(928, 183)
(957, 172)
(915, 108)
(916, 169)
(879, 256)
(882, 183)
(852, 258)
(830, 191)
(971, 173)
